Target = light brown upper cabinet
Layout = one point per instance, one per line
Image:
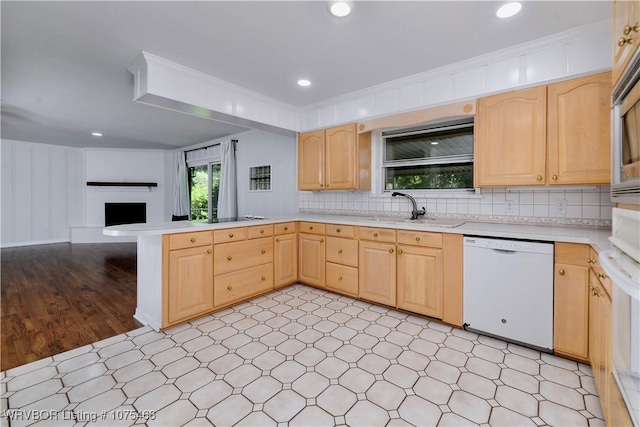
(626, 34)
(337, 158)
(547, 135)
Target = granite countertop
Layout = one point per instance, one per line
(597, 237)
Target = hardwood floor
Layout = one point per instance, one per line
(62, 296)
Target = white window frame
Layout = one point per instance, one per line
(378, 184)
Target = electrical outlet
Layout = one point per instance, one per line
(561, 207)
(508, 206)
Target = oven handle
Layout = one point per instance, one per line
(619, 278)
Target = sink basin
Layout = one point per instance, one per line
(448, 223)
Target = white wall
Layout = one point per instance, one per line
(118, 165)
(42, 192)
(258, 148)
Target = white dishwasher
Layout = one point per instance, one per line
(508, 290)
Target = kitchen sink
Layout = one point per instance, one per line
(435, 222)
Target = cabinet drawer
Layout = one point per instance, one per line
(240, 255)
(259, 231)
(312, 228)
(238, 285)
(190, 240)
(342, 251)
(285, 228)
(420, 238)
(340, 230)
(599, 271)
(342, 278)
(378, 234)
(230, 235)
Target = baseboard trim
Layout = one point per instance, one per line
(34, 243)
(145, 320)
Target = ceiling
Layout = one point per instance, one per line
(63, 63)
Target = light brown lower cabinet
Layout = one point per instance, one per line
(311, 260)
(420, 280)
(189, 288)
(285, 260)
(377, 272)
(241, 284)
(571, 301)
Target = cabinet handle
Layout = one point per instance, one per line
(286, 228)
(390, 251)
(209, 251)
(261, 231)
(337, 230)
(264, 278)
(417, 238)
(321, 240)
(629, 28)
(229, 288)
(321, 185)
(229, 257)
(590, 261)
(310, 227)
(625, 40)
(554, 177)
(339, 251)
(561, 272)
(327, 185)
(277, 240)
(230, 234)
(339, 277)
(539, 178)
(399, 251)
(595, 291)
(375, 234)
(263, 251)
(193, 240)
(602, 276)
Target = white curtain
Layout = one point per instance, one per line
(227, 194)
(180, 185)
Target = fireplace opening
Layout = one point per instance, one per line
(124, 213)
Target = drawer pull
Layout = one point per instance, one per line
(310, 228)
(229, 257)
(230, 234)
(264, 278)
(321, 240)
(539, 178)
(277, 240)
(561, 272)
(602, 276)
(590, 261)
(390, 251)
(229, 288)
(399, 251)
(339, 277)
(261, 231)
(554, 177)
(209, 251)
(339, 251)
(337, 230)
(286, 228)
(263, 251)
(193, 240)
(417, 238)
(375, 234)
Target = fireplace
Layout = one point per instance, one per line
(124, 213)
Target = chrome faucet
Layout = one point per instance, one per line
(415, 213)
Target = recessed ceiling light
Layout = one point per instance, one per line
(340, 9)
(434, 143)
(507, 10)
(304, 82)
(96, 134)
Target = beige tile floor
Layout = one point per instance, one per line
(302, 357)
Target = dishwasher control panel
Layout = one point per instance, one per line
(508, 245)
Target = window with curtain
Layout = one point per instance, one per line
(429, 158)
(204, 185)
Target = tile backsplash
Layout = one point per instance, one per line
(580, 206)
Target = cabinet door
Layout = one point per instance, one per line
(311, 152)
(377, 272)
(285, 260)
(510, 139)
(311, 259)
(190, 290)
(579, 130)
(571, 311)
(626, 15)
(341, 158)
(419, 273)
